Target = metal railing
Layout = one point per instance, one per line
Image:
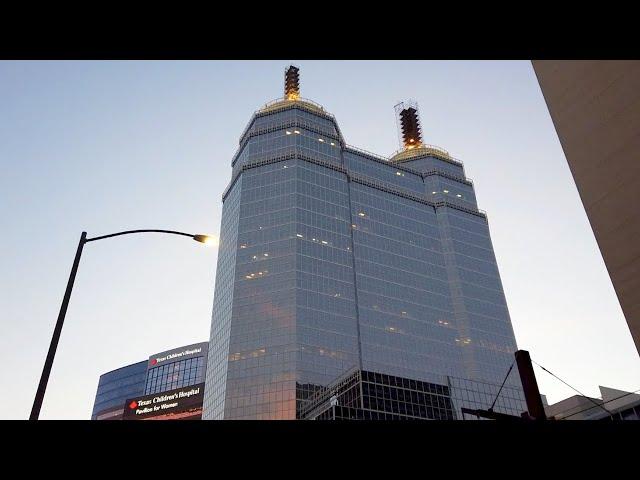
(286, 101)
(425, 148)
(368, 153)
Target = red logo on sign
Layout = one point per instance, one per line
(133, 405)
(153, 361)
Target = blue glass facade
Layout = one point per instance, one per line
(332, 258)
(115, 387)
(175, 375)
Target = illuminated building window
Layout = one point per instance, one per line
(255, 275)
(393, 330)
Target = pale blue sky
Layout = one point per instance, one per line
(110, 146)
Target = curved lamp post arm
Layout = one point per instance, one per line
(173, 232)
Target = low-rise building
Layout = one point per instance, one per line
(168, 385)
(614, 405)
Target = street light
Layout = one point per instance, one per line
(48, 363)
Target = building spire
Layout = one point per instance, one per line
(409, 124)
(292, 83)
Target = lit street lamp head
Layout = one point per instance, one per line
(208, 240)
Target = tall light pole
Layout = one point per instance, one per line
(48, 363)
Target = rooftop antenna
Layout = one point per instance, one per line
(409, 132)
(292, 83)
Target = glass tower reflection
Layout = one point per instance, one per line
(332, 258)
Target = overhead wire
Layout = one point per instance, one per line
(575, 389)
(503, 382)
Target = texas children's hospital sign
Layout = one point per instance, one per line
(179, 404)
(197, 350)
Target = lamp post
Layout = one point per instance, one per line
(48, 363)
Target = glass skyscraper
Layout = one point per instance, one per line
(333, 259)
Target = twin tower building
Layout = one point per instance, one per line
(351, 285)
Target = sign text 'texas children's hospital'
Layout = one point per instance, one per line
(180, 403)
